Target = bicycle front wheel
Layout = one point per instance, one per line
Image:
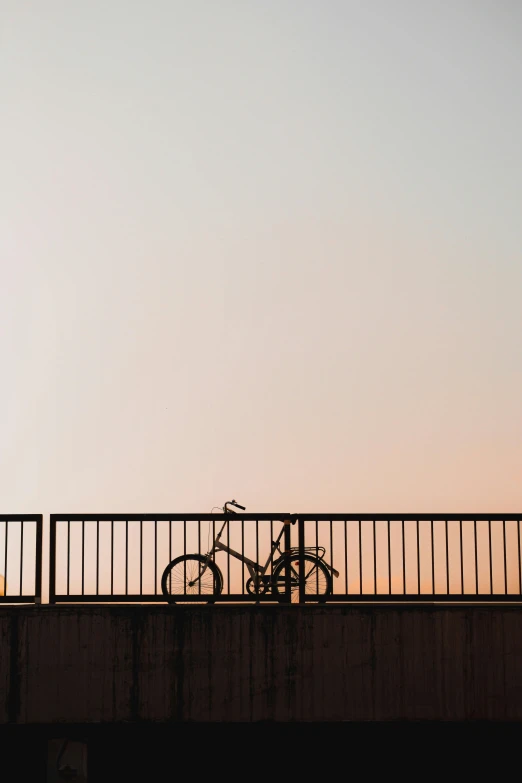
(191, 575)
(317, 580)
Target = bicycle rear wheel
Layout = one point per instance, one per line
(316, 578)
(191, 575)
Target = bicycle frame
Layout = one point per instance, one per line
(256, 570)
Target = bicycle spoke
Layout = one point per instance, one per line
(316, 579)
(189, 577)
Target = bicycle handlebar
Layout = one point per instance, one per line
(233, 503)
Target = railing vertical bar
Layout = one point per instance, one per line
(5, 556)
(418, 560)
(141, 556)
(476, 554)
(271, 539)
(389, 560)
(185, 552)
(170, 540)
(155, 556)
(83, 556)
(243, 554)
(112, 556)
(257, 541)
(519, 563)
(316, 552)
(403, 559)
(360, 558)
(374, 559)
(461, 560)
(39, 555)
(97, 555)
(505, 558)
(346, 555)
(287, 543)
(214, 538)
(447, 560)
(301, 545)
(432, 560)
(199, 551)
(21, 556)
(331, 544)
(68, 552)
(228, 558)
(490, 560)
(126, 557)
(52, 559)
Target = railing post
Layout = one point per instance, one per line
(287, 544)
(39, 557)
(52, 559)
(301, 545)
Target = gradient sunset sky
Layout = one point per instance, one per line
(263, 249)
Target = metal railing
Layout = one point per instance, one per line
(412, 557)
(20, 558)
(388, 557)
(121, 557)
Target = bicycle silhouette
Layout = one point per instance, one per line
(198, 574)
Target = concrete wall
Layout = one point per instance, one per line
(244, 663)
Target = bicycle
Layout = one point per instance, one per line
(198, 574)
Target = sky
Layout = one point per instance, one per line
(262, 249)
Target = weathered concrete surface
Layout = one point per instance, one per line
(88, 664)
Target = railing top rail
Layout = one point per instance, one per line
(167, 517)
(21, 517)
(424, 516)
(351, 517)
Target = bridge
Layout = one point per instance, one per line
(421, 622)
